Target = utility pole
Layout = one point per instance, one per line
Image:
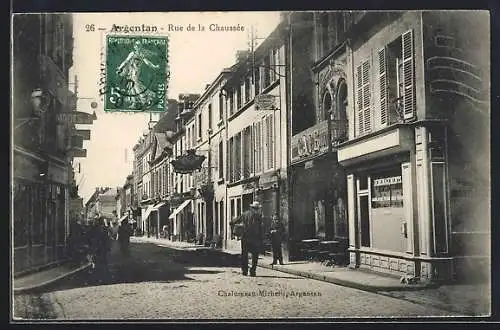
(252, 51)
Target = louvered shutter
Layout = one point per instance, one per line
(269, 128)
(359, 99)
(366, 97)
(408, 76)
(382, 61)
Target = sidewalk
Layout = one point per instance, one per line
(469, 299)
(345, 276)
(40, 279)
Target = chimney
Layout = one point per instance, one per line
(206, 86)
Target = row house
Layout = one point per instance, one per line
(417, 151)
(256, 162)
(181, 221)
(43, 181)
(152, 172)
(206, 135)
(93, 205)
(141, 175)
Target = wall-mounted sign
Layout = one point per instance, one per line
(200, 177)
(84, 133)
(451, 72)
(75, 117)
(312, 141)
(76, 152)
(77, 141)
(265, 102)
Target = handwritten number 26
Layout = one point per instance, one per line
(89, 27)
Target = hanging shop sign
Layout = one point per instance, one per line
(75, 117)
(265, 102)
(84, 133)
(311, 142)
(200, 177)
(77, 152)
(188, 163)
(77, 141)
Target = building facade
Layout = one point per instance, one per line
(181, 197)
(42, 172)
(206, 134)
(418, 79)
(256, 143)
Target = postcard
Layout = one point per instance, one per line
(239, 166)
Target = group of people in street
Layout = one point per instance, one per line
(97, 240)
(249, 227)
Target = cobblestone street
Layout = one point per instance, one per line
(162, 283)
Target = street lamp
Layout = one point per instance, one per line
(39, 103)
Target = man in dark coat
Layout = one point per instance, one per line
(277, 233)
(124, 232)
(100, 245)
(251, 237)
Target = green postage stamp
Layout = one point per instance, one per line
(137, 73)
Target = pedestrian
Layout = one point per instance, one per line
(100, 245)
(124, 237)
(250, 223)
(276, 239)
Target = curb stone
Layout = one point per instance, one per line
(350, 284)
(51, 281)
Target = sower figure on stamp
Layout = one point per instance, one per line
(130, 69)
(249, 226)
(277, 233)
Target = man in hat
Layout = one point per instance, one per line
(251, 236)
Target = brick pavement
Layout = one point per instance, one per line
(472, 299)
(158, 282)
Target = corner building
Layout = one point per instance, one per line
(417, 149)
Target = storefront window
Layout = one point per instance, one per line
(319, 218)
(387, 215)
(387, 191)
(22, 206)
(39, 198)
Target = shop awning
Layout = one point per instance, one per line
(145, 215)
(179, 209)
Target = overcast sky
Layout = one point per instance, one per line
(196, 59)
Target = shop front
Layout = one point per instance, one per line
(268, 195)
(397, 201)
(318, 191)
(40, 211)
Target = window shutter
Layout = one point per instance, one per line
(366, 97)
(408, 76)
(359, 99)
(382, 60)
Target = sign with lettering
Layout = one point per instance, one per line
(387, 192)
(311, 142)
(265, 102)
(84, 133)
(77, 141)
(75, 117)
(76, 152)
